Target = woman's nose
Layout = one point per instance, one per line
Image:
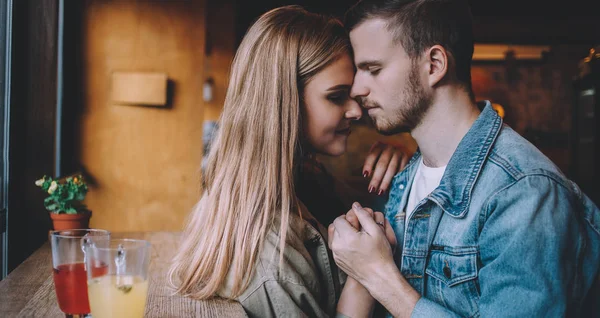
(353, 111)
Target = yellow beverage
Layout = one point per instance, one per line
(117, 296)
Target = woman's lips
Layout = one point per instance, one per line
(344, 132)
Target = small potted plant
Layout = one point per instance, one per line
(64, 201)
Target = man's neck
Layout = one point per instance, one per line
(446, 123)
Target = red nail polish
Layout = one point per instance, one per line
(380, 192)
(365, 174)
(371, 189)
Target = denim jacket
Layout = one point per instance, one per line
(505, 234)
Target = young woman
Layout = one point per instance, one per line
(251, 237)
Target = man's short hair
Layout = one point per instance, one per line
(420, 24)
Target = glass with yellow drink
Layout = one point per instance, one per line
(122, 291)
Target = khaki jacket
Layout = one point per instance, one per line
(309, 283)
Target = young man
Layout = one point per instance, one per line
(485, 224)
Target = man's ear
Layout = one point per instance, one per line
(436, 59)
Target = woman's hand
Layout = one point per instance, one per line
(383, 162)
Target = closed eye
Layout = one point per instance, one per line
(339, 97)
(374, 71)
(373, 67)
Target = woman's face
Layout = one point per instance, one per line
(328, 108)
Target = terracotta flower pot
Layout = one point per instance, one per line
(71, 221)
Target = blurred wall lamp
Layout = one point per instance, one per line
(208, 90)
(498, 52)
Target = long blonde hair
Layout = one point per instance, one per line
(249, 179)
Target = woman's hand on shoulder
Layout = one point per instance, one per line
(383, 162)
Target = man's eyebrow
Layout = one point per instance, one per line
(366, 64)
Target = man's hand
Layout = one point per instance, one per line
(351, 218)
(355, 300)
(379, 218)
(383, 162)
(364, 252)
(366, 256)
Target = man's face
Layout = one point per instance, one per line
(387, 82)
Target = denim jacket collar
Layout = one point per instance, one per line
(453, 194)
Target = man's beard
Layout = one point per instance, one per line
(409, 113)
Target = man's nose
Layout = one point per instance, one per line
(359, 89)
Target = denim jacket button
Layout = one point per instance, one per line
(447, 272)
(401, 187)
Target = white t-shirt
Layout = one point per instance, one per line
(426, 180)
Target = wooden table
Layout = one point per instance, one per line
(29, 290)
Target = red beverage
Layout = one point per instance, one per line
(70, 282)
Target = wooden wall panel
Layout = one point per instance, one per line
(32, 121)
(221, 44)
(144, 161)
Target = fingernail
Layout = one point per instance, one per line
(356, 205)
(380, 192)
(371, 189)
(365, 174)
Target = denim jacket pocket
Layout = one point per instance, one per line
(453, 265)
(454, 272)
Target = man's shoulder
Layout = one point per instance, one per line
(519, 158)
